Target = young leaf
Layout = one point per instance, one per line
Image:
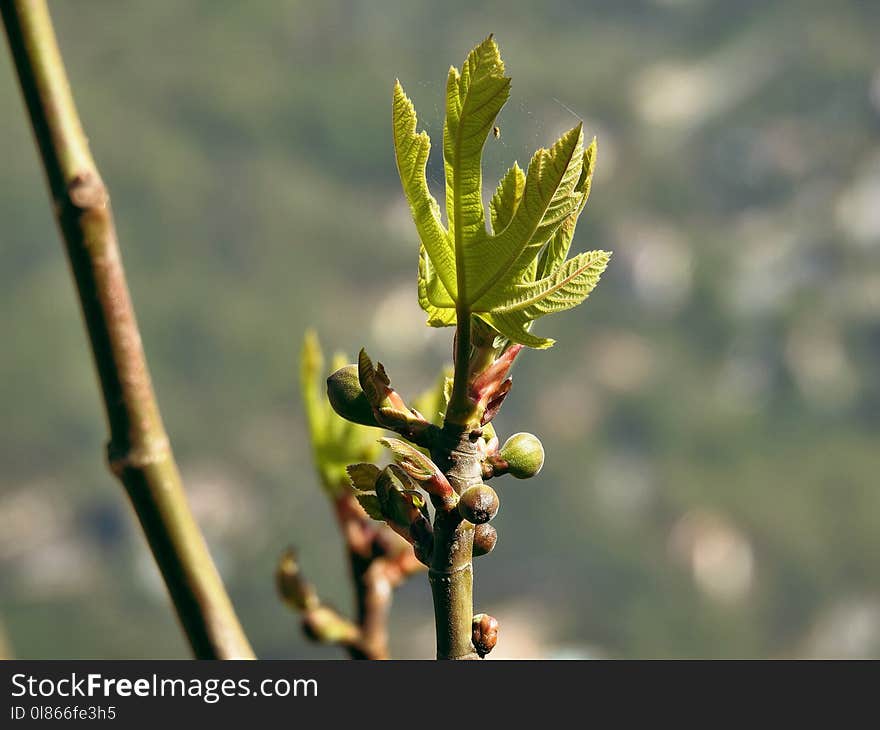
(432, 297)
(374, 381)
(363, 476)
(473, 99)
(556, 250)
(548, 198)
(566, 287)
(518, 272)
(516, 329)
(394, 418)
(370, 503)
(412, 155)
(506, 199)
(416, 465)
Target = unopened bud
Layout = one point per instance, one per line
(294, 589)
(399, 503)
(523, 454)
(484, 633)
(347, 397)
(421, 469)
(478, 504)
(485, 537)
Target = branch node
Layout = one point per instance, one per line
(86, 191)
(138, 457)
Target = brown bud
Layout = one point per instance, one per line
(484, 633)
(485, 537)
(478, 504)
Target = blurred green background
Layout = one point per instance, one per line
(711, 415)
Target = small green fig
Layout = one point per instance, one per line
(478, 504)
(524, 455)
(348, 398)
(485, 537)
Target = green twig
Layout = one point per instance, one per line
(139, 452)
(451, 571)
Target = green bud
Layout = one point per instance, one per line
(478, 504)
(524, 455)
(485, 537)
(347, 397)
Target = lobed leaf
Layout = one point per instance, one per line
(411, 152)
(555, 252)
(440, 310)
(506, 198)
(548, 198)
(473, 99)
(566, 287)
(518, 272)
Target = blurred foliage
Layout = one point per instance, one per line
(710, 486)
(336, 443)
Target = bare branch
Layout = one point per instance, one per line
(139, 452)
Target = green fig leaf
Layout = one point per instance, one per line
(517, 271)
(411, 151)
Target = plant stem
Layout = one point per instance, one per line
(139, 452)
(372, 587)
(378, 565)
(459, 409)
(454, 451)
(373, 597)
(451, 570)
